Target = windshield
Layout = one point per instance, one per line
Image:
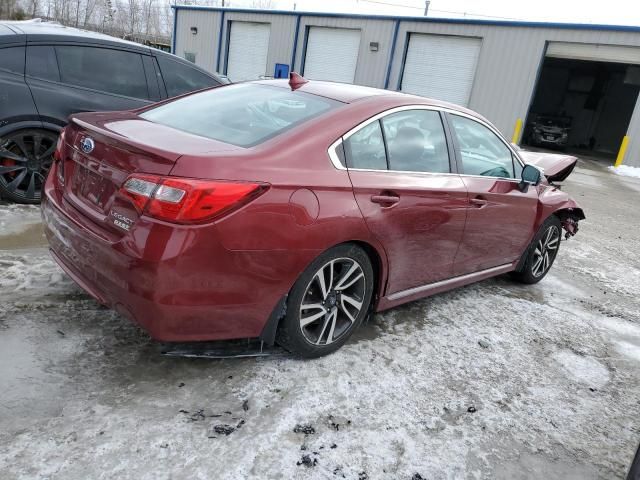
(243, 114)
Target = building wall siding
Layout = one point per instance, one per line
(506, 74)
(205, 43)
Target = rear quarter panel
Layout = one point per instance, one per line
(309, 207)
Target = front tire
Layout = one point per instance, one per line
(541, 253)
(328, 302)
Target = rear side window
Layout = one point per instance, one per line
(180, 78)
(243, 114)
(41, 63)
(104, 69)
(12, 59)
(365, 148)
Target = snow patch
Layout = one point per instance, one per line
(31, 274)
(621, 327)
(583, 369)
(17, 218)
(629, 350)
(625, 171)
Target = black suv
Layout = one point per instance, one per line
(48, 72)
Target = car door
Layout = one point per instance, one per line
(399, 166)
(16, 104)
(71, 78)
(501, 217)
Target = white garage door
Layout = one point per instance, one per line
(594, 52)
(248, 48)
(441, 67)
(332, 54)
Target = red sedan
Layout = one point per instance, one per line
(288, 211)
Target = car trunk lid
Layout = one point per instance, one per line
(556, 167)
(107, 148)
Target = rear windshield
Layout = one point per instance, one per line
(244, 114)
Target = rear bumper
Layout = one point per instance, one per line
(178, 283)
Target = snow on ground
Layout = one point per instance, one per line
(626, 171)
(18, 218)
(494, 380)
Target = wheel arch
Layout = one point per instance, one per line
(378, 262)
(566, 212)
(29, 125)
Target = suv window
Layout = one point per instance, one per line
(365, 148)
(481, 151)
(416, 141)
(41, 63)
(104, 69)
(180, 78)
(12, 59)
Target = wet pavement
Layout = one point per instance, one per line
(494, 380)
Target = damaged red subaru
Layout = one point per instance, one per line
(287, 211)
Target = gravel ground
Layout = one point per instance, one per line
(494, 380)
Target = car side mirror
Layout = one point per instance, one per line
(530, 176)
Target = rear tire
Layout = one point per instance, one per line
(328, 302)
(541, 253)
(25, 159)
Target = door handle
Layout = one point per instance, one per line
(385, 200)
(478, 202)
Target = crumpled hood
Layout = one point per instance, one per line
(556, 167)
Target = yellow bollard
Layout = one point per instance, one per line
(622, 151)
(516, 131)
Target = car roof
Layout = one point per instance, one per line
(5, 30)
(38, 31)
(349, 93)
(35, 31)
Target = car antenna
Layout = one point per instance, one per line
(296, 80)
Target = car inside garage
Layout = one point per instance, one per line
(331, 54)
(584, 98)
(441, 66)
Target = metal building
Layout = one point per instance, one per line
(579, 82)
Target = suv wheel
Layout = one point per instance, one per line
(25, 159)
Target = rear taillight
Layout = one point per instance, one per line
(186, 200)
(58, 158)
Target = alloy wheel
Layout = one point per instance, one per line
(25, 159)
(332, 301)
(545, 251)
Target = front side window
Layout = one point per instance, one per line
(481, 151)
(180, 78)
(104, 69)
(242, 114)
(365, 148)
(416, 141)
(12, 59)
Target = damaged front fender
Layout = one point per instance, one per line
(570, 225)
(556, 202)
